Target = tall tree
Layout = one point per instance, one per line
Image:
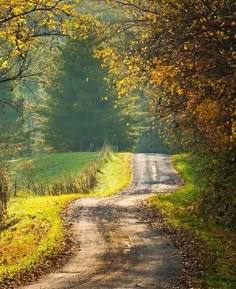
(81, 106)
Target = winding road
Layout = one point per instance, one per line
(116, 249)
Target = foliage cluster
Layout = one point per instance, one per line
(180, 210)
(23, 25)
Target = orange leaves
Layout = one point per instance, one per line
(210, 114)
(166, 75)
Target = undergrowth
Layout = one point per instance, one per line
(181, 209)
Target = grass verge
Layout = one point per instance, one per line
(114, 176)
(35, 230)
(180, 210)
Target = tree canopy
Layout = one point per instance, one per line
(184, 51)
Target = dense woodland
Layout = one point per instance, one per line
(76, 74)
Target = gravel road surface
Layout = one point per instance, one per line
(116, 249)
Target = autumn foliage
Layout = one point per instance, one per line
(182, 53)
(23, 26)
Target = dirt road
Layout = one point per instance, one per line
(117, 249)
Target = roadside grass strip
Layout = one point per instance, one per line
(181, 211)
(34, 229)
(115, 175)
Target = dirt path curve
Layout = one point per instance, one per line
(116, 249)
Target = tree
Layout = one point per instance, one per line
(81, 108)
(184, 52)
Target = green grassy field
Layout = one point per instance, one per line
(35, 228)
(179, 208)
(51, 166)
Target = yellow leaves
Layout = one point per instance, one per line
(121, 83)
(233, 128)
(221, 35)
(23, 23)
(188, 46)
(233, 131)
(67, 8)
(166, 75)
(16, 10)
(208, 109)
(3, 63)
(124, 86)
(106, 53)
(50, 23)
(179, 90)
(151, 17)
(210, 114)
